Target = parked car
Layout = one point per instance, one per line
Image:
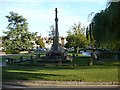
(70, 49)
(86, 52)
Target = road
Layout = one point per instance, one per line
(84, 87)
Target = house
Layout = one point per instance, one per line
(48, 42)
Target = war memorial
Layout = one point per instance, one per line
(57, 52)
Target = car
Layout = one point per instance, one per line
(86, 53)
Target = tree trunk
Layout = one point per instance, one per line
(77, 51)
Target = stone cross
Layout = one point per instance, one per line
(56, 38)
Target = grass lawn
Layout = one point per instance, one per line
(106, 72)
(0, 58)
(62, 73)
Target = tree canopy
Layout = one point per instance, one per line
(76, 37)
(52, 32)
(17, 37)
(105, 27)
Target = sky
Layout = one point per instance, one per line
(40, 14)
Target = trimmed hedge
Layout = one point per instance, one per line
(12, 51)
(81, 61)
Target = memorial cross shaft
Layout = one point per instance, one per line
(56, 37)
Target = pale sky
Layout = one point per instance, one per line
(40, 14)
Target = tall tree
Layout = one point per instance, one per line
(52, 32)
(17, 37)
(76, 37)
(0, 42)
(106, 26)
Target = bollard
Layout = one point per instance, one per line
(11, 60)
(76, 54)
(60, 62)
(21, 58)
(39, 55)
(91, 62)
(36, 55)
(31, 57)
(31, 61)
(73, 55)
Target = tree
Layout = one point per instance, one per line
(114, 29)
(70, 41)
(40, 43)
(76, 37)
(105, 27)
(0, 41)
(52, 32)
(76, 29)
(17, 37)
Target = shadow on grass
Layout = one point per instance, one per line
(58, 72)
(26, 75)
(56, 68)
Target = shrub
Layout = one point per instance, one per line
(9, 51)
(15, 51)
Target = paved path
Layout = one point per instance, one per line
(28, 84)
(86, 87)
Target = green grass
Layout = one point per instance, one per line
(105, 72)
(0, 58)
(81, 61)
(62, 73)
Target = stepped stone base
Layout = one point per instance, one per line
(56, 56)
